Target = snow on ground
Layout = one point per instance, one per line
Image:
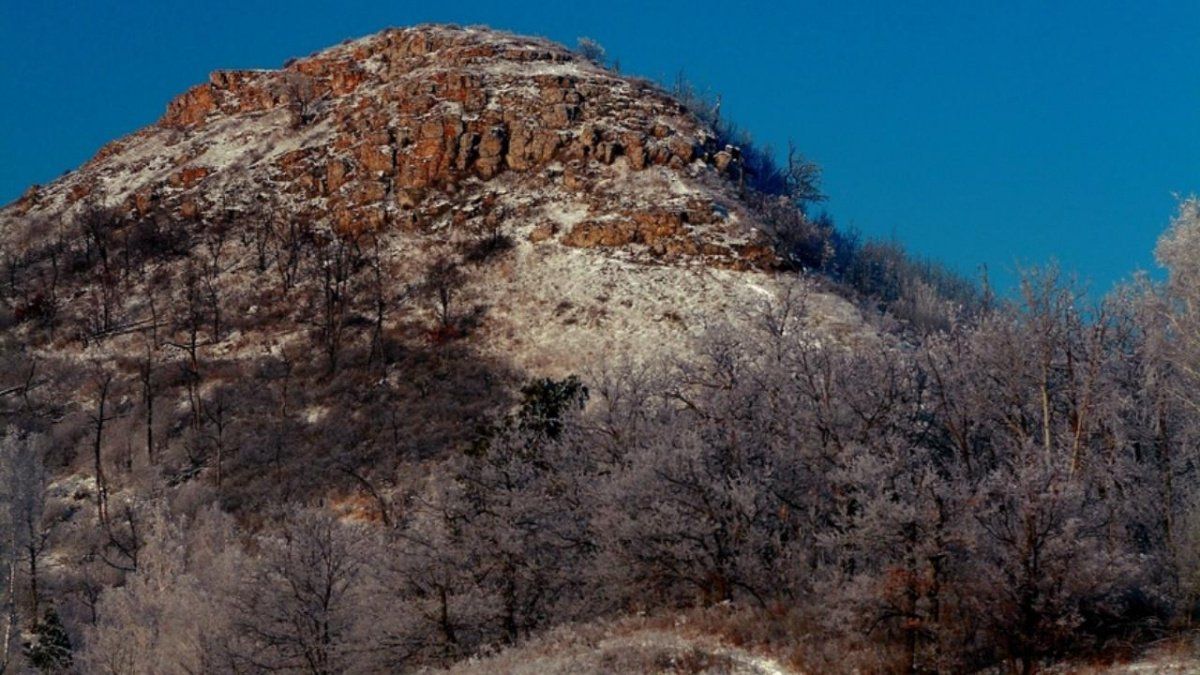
(556, 309)
(583, 652)
(550, 308)
(1171, 656)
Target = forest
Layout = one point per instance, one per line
(1009, 484)
(976, 481)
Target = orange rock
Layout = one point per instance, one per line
(491, 150)
(28, 199)
(590, 234)
(295, 163)
(191, 108)
(79, 191)
(375, 160)
(143, 200)
(188, 177)
(682, 148)
(543, 232)
(335, 175)
(757, 256)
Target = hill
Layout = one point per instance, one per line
(456, 206)
(320, 285)
(452, 348)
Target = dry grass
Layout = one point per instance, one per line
(1175, 654)
(719, 639)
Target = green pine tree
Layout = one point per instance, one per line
(50, 650)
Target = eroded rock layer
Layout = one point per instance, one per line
(423, 128)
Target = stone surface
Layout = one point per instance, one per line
(386, 131)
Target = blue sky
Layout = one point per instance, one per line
(976, 133)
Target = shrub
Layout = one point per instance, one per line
(50, 649)
(591, 50)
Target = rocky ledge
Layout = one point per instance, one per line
(428, 127)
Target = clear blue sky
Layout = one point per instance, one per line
(973, 132)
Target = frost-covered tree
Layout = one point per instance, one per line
(1179, 251)
(591, 50)
(25, 532)
(298, 608)
(10, 546)
(175, 614)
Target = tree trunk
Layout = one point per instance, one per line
(97, 444)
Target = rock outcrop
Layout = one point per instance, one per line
(387, 130)
(422, 144)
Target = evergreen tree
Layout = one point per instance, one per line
(50, 650)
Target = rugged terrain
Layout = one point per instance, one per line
(320, 284)
(382, 205)
(451, 348)
(626, 218)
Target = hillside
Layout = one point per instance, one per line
(320, 285)
(431, 141)
(449, 348)
(457, 204)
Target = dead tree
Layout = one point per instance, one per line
(190, 344)
(96, 225)
(442, 283)
(380, 302)
(99, 418)
(337, 260)
(290, 241)
(217, 413)
(214, 242)
(146, 375)
(302, 97)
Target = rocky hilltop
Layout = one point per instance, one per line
(425, 140)
(327, 285)
(408, 129)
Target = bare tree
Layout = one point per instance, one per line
(591, 50)
(96, 225)
(102, 415)
(146, 373)
(302, 95)
(189, 324)
(218, 414)
(337, 260)
(299, 610)
(291, 243)
(214, 242)
(443, 281)
(802, 179)
(382, 298)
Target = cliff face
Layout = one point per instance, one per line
(410, 129)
